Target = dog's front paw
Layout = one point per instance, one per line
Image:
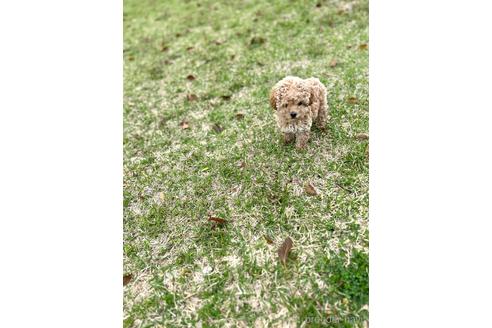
(301, 146)
(289, 137)
(301, 140)
(321, 126)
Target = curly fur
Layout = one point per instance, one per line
(304, 98)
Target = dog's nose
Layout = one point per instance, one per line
(293, 115)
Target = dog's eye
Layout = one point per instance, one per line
(284, 105)
(301, 104)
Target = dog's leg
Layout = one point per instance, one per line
(302, 139)
(289, 137)
(322, 115)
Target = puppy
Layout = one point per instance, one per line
(298, 103)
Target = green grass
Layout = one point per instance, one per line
(184, 272)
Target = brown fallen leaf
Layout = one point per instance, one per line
(226, 97)
(284, 250)
(362, 136)
(217, 222)
(256, 40)
(268, 240)
(217, 128)
(218, 42)
(352, 100)
(239, 115)
(191, 77)
(164, 47)
(189, 48)
(131, 58)
(241, 165)
(310, 189)
(184, 125)
(333, 62)
(318, 5)
(127, 278)
(363, 46)
(192, 97)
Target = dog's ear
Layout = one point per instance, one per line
(312, 95)
(273, 98)
(315, 89)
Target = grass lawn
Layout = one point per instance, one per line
(200, 140)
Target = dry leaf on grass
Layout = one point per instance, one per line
(192, 97)
(310, 189)
(239, 115)
(217, 128)
(284, 250)
(352, 100)
(268, 240)
(217, 222)
(241, 165)
(256, 40)
(363, 46)
(126, 279)
(226, 97)
(191, 77)
(184, 125)
(333, 63)
(362, 136)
